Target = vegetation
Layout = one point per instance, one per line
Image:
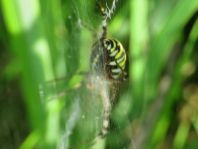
(44, 59)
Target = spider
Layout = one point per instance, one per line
(108, 62)
(107, 73)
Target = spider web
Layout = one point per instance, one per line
(85, 99)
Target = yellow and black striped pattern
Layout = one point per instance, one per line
(116, 59)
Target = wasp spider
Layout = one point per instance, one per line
(108, 60)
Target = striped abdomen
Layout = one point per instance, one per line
(115, 59)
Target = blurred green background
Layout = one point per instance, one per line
(45, 44)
